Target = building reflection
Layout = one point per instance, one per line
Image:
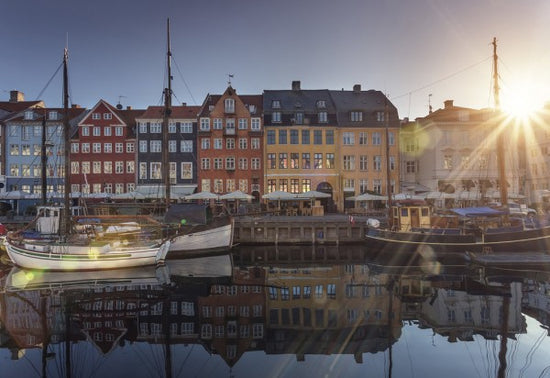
(280, 308)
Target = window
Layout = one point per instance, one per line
(96, 116)
(96, 167)
(271, 162)
(186, 127)
(377, 163)
(410, 166)
(255, 163)
(276, 117)
(448, 162)
(376, 139)
(363, 163)
(119, 131)
(119, 148)
(255, 143)
(305, 137)
(299, 118)
(107, 116)
(356, 116)
(349, 162)
(294, 137)
(186, 146)
(155, 146)
(229, 104)
(329, 158)
(306, 161)
(380, 116)
(317, 137)
(130, 147)
(329, 136)
(218, 143)
(230, 163)
(243, 123)
(142, 146)
(318, 161)
(282, 137)
(230, 126)
(270, 136)
(283, 160)
(156, 170)
(205, 143)
(243, 164)
(218, 163)
(205, 124)
(96, 148)
(363, 138)
(205, 164)
(108, 148)
(108, 167)
(255, 124)
(97, 131)
(243, 143)
(391, 138)
(230, 144)
(85, 131)
(275, 104)
(348, 138)
(294, 160)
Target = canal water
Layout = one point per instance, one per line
(279, 312)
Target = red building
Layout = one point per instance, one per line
(230, 143)
(103, 151)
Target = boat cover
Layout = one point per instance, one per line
(482, 211)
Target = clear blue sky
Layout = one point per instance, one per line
(407, 49)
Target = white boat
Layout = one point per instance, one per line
(58, 246)
(204, 239)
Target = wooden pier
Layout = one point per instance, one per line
(303, 230)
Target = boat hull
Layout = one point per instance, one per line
(213, 239)
(530, 240)
(63, 257)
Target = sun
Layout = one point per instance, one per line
(522, 100)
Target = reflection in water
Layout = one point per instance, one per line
(186, 317)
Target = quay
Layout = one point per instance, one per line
(329, 229)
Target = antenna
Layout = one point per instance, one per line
(231, 76)
(430, 103)
(119, 105)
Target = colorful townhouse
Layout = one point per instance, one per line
(230, 144)
(103, 151)
(9, 109)
(182, 151)
(368, 128)
(24, 144)
(301, 143)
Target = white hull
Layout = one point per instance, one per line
(66, 257)
(214, 239)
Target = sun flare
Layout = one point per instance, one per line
(522, 100)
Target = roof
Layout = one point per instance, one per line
(213, 99)
(179, 112)
(39, 113)
(369, 102)
(13, 107)
(482, 211)
(451, 113)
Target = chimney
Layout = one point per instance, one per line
(16, 96)
(448, 104)
(75, 106)
(296, 85)
(357, 88)
(184, 104)
(128, 107)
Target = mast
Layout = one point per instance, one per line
(44, 160)
(167, 112)
(67, 146)
(502, 182)
(388, 168)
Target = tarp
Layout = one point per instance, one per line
(482, 211)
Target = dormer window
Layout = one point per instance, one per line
(299, 118)
(52, 115)
(380, 116)
(356, 116)
(107, 115)
(252, 109)
(229, 105)
(276, 104)
(96, 116)
(29, 114)
(321, 104)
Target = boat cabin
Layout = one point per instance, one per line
(410, 215)
(48, 218)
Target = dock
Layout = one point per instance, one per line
(330, 229)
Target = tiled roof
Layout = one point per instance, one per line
(179, 112)
(368, 102)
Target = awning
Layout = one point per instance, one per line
(482, 211)
(157, 191)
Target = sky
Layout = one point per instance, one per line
(417, 52)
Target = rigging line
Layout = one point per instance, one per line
(183, 79)
(49, 81)
(544, 372)
(408, 352)
(529, 357)
(472, 360)
(185, 360)
(443, 79)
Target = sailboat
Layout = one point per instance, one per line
(487, 239)
(213, 237)
(67, 249)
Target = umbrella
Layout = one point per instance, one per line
(129, 195)
(439, 195)
(236, 195)
(279, 195)
(15, 194)
(201, 196)
(312, 194)
(368, 197)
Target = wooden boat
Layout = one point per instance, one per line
(415, 232)
(59, 247)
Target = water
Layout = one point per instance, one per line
(279, 312)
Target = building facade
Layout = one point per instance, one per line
(230, 144)
(103, 151)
